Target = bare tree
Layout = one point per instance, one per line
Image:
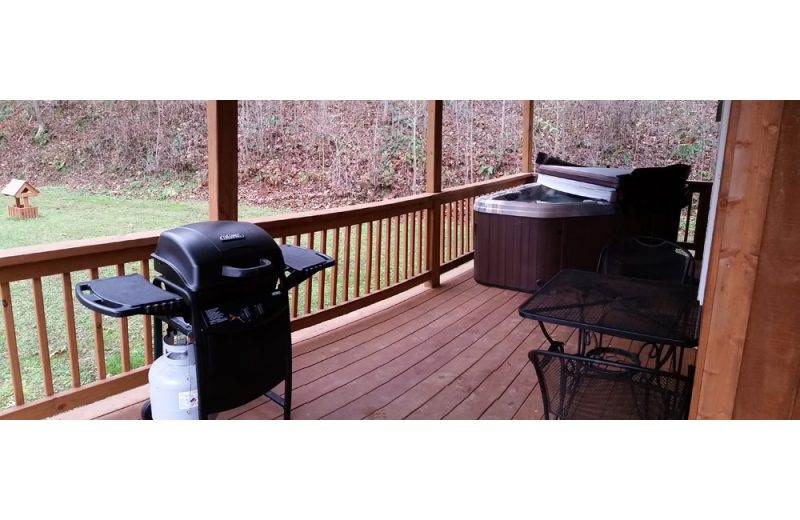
(415, 106)
(37, 113)
(158, 131)
(502, 145)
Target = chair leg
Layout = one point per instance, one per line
(555, 346)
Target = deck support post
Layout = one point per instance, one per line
(223, 161)
(433, 184)
(527, 136)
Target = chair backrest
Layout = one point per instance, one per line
(649, 258)
(576, 387)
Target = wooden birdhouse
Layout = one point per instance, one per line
(21, 191)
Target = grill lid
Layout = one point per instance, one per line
(210, 254)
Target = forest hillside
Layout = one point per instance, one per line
(315, 154)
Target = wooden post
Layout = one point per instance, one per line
(433, 184)
(745, 180)
(527, 136)
(223, 161)
(769, 379)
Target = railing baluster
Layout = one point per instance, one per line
(368, 275)
(147, 323)
(346, 273)
(41, 332)
(442, 236)
(11, 343)
(451, 236)
(378, 236)
(124, 340)
(295, 289)
(357, 267)
(321, 281)
(421, 231)
(457, 219)
(471, 223)
(687, 211)
(99, 344)
(396, 248)
(387, 254)
(72, 337)
(463, 207)
(459, 230)
(445, 231)
(406, 253)
(335, 268)
(685, 230)
(453, 231)
(465, 223)
(307, 296)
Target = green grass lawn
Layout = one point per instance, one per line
(70, 216)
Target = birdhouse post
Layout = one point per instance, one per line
(21, 191)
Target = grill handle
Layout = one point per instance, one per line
(248, 272)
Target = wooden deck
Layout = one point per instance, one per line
(455, 352)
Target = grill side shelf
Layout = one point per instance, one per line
(125, 296)
(303, 263)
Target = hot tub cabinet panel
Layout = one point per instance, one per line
(514, 252)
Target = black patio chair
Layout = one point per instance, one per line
(576, 387)
(648, 258)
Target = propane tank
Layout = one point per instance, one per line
(173, 380)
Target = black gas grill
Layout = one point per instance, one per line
(225, 286)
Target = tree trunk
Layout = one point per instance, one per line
(468, 148)
(375, 156)
(158, 131)
(502, 144)
(414, 144)
(37, 113)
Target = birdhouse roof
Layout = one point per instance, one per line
(20, 189)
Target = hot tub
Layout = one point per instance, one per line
(539, 201)
(525, 235)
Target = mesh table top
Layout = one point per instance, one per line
(630, 308)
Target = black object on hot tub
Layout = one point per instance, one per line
(225, 285)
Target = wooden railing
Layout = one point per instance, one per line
(694, 218)
(380, 248)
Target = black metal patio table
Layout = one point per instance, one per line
(655, 313)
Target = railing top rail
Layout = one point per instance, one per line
(73, 248)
